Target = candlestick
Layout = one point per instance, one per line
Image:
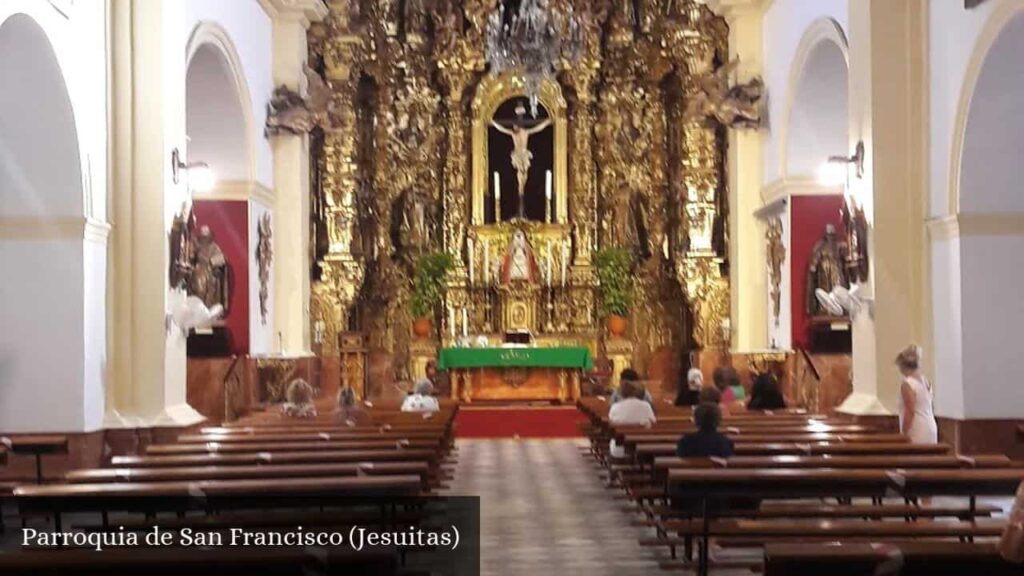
(465, 323)
(469, 249)
(547, 197)
(487, 262)
(451, 322)
(497, 197)
(548, 264)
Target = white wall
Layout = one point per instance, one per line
(262, 337)
(215, 123)
(947, 301)
(52, 178)
(819, 118)
(785, 23)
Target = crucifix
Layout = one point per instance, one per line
(520, 132)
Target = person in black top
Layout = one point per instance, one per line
(765, 394)
(689, 393)
(707, 441)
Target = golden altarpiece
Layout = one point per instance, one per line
(403, 167)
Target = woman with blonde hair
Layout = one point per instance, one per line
(917, 420)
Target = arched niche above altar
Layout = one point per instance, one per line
(503, 93)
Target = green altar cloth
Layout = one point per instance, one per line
(562, 357)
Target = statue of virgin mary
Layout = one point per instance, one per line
(518, 264)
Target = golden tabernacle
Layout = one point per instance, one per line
(425, 148)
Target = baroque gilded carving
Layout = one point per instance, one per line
(776, 251)
(402, 168)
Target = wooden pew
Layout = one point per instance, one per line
(309, 437)
(175, 561)
(331, 445)
(278, 458)
(904, 558)
(106, 475)
(645, 453)
(153, 497)
(38, 445)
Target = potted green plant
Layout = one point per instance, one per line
(429, 271)
(613, 266)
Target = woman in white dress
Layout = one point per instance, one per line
(917, 420)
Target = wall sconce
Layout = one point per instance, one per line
(200, 176)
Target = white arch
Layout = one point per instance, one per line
(40, 152)
(1003, 13)
(55, 29)
(210, 35)
(822, 30)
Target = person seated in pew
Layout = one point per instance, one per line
(629, 375)
(632, 409)
(1011, 544)
(765, 394)
(349, 411)
(422, 399)
(689, 395)
(727, 380)
(299, 400)
(707, 441)
(711, 395)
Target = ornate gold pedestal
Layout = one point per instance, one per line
(352, 354)
(421, 352)
(620, 355)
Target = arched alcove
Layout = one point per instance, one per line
(991, 166)
(42, 302)
(819, 114)
(216, 120)
(40, 167)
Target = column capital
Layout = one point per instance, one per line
(304, 12)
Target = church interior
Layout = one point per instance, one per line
(651, 286)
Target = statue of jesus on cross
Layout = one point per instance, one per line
(521, 155)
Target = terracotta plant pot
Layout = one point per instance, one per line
(617, 325)
(422, 326)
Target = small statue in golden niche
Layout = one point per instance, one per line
(415, 222)
(519, 263)
(825, 271)
(211, 274)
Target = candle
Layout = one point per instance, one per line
(451, 322)
(497, 197)
(465, 322)
(547, 196)
(565, 261)
(487, 262)
(469, 246)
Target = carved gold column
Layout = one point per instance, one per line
(342, 271)
(699, 265)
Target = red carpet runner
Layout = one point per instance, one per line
(522, 422)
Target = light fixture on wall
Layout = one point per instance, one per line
(200, 176)
(836, 171)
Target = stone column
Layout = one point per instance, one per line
(147, 383)
(291, 182)
(887, 83)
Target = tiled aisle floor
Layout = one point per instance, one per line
(545, 511)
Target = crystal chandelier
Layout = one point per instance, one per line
(531, 42)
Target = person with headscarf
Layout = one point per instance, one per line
(689, 395)
(422, 399)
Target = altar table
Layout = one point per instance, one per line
(516, 373)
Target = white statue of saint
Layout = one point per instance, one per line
(519, 263)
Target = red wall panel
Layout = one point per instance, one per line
(229, 222)
(808, 217)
